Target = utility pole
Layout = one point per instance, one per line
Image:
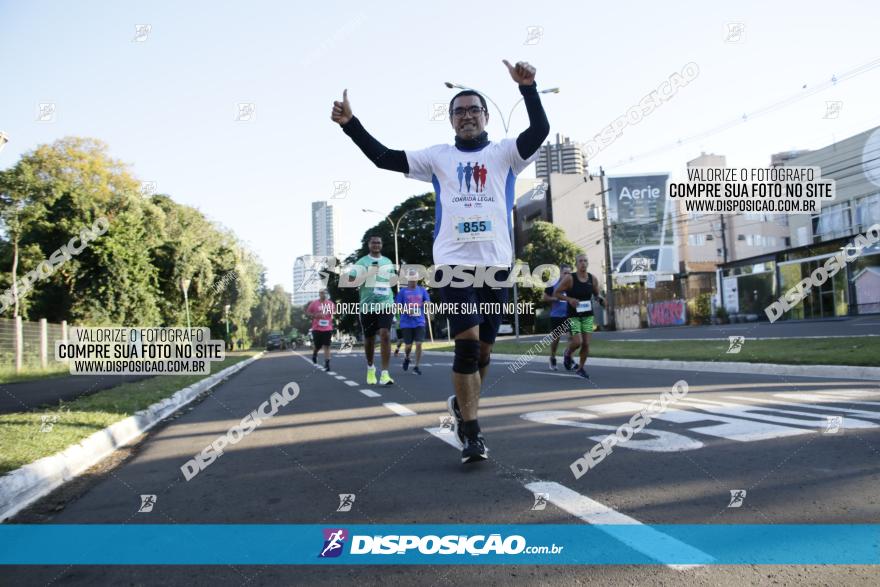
(723, 240)
(606, 238)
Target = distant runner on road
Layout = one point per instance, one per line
(321, 312)
(578, 290)
(412, 298)
(558, 316)
(376, 307)
(472, 222)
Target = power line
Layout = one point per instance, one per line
(852, 73)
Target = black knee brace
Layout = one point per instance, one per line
(467, 356)
(482, 365)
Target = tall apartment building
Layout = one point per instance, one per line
(562, 157)
(306, 280)
(750, 285)
(325, 229)
(306, 268)
(708, 240)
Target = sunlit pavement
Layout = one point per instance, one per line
(735, 449)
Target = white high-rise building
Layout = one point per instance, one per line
(306, 280)
(325, 229)
(307, 268)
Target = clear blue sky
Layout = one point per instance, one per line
(167, 105)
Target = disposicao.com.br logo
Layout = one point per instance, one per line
(476, 545)
(334, 542)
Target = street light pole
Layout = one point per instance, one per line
(504, 122)
(395, 226)
(184, 285)
(226, 319)
(606, 237)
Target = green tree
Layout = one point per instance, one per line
(67, 186)
(19, 209)
(271, 313)
(129, 275)
(415, 241)
(547, 245)
(299, 320)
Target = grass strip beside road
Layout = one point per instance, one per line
(26, 436)
(31, 372)
(855, 351)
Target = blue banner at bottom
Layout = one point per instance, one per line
(568, 544)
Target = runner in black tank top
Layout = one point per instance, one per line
(578, 290)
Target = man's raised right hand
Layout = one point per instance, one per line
(341, 110)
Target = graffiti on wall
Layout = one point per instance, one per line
(669, 313)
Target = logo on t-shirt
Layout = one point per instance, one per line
(471, 177)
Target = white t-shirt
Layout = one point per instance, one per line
(474, 200)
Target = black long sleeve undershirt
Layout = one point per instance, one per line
(527, 142)
(530, 139)
(379, 154)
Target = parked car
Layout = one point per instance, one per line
(275, 341)
(506, 327)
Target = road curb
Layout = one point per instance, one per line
(822, 371)
(25, 485)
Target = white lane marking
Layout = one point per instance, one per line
(657, 440)
(446, 435)
(821, 417)
(606, 520)
(758, 413)
(626, 407)
(370, 393)
(728, 424)
(399, 409)
(821, 395)
(554, 374)
(331, 373)
(339, 377)
(593, 512)
(352, 383)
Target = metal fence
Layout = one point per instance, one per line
(29, 344)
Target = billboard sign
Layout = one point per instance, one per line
(643, 228)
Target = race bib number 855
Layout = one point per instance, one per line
(473, 229)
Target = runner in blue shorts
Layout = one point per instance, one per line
(558, 319)
(412, 300)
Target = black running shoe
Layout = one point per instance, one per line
(474, 450)
(314, 359)
(326, 365)
(566, 360)
(416, 370)
(406, 363)
(553, 364)
(457, 420)
(581, 373)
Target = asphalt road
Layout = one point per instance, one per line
(856, 326)
(769, 436)
(24, 396)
